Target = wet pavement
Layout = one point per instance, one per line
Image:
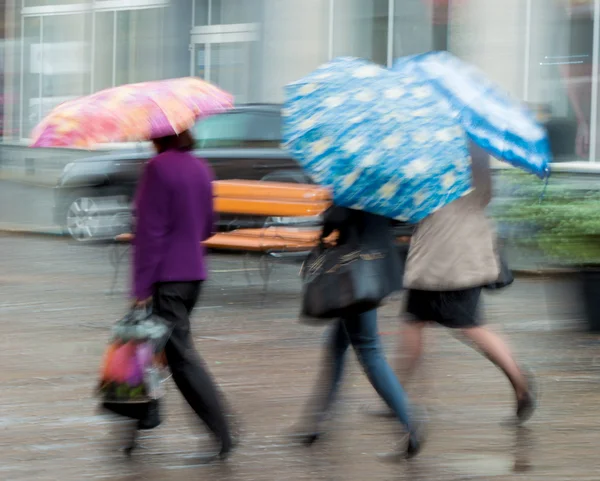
(54, 320)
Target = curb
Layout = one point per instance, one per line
(29, 183)
(31, 230)
(549, 272)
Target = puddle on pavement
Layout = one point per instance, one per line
(481, 465)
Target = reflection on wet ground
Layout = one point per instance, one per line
(54, 317)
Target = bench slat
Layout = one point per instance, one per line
(269, 207)
(274, 191)
(256, 244)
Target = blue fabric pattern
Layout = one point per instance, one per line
(491, 118)
(384, 143)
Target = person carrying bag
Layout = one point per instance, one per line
(353, 276)
(347, 282)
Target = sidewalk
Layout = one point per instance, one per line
(54, 321)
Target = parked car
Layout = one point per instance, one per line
(93, 195)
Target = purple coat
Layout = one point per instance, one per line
(174, 214)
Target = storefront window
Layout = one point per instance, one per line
(360, 29)
(139, 45)
(31, 72)
(104, 43)
(225, 12)
(413, 29)
(560, 83)
(66, 58)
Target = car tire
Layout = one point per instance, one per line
(96, 214)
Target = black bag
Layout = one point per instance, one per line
(344, 280)
(505, 278)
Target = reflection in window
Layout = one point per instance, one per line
(561, 75)
(239, 129)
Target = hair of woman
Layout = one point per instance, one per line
(184, 142)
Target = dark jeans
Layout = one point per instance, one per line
(174, 301)
(361, 331)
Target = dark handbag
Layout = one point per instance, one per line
(505, 278)
(344, 280)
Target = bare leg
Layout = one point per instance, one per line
(497, 351)
(410, 350)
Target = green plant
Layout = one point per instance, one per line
(564, 224)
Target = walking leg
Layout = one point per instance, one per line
(174, 302)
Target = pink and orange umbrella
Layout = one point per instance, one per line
(131, 113)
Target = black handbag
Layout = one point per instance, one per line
(344, 280)
(505, 279)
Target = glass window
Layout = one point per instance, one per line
(201, 12)
(230, 65)
(235, 11)
(139, 45)
(31, 96)
(360, 29)
(560, 74)
(239, 129)
(104, 54)
(66, 58)
(413, 28)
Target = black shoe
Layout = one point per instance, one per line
(413, 446)
(527, 404)
(227, 449)
(304, 437)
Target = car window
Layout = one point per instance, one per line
(239, 129)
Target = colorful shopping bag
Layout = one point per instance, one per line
(133, 362)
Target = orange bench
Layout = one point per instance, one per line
(282, 204)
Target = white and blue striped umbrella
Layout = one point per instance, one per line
(382, 142)
(491, 118)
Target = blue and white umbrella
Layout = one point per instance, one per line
(491, 118)
(382, 142)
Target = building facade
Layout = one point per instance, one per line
(542, 51)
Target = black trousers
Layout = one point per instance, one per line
(174, 301)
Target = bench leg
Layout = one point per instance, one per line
(246, 269)
(115, 258)
(266, 268)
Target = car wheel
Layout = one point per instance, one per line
(91, 217)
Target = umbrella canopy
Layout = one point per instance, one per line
(382, 143)
(493, 120)
(129, 113)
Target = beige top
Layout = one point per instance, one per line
(454, 248)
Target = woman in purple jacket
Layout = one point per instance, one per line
(175, 215)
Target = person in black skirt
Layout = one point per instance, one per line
(452, 256)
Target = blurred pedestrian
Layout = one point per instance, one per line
(452, 256)
(361, 332)
(174, 215)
